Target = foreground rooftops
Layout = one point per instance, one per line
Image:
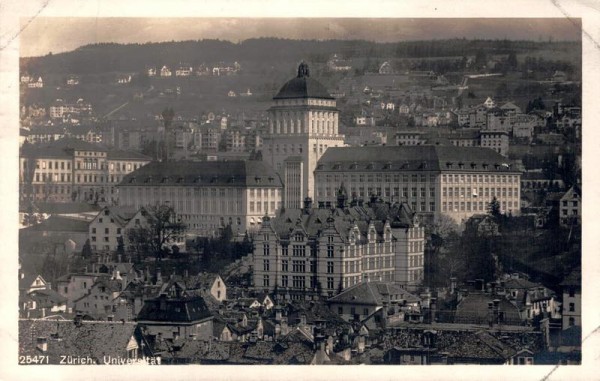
(204, 173)
(413, 158)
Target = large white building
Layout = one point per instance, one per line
(432, 180)
(324, 250)
(207, 195)
(303, 123)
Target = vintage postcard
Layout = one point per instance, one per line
(237, 191)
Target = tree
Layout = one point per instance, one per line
(512, 60)
(86, 250)
(162, 228)
(494, 207)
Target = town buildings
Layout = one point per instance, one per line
(324, 250)
(432, 180)
(73, 170)
(207, 196)
(303, 123)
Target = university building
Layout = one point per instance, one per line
(207, 195)
(303, 123)
(321, 251)
(432, 180)
(73, 170)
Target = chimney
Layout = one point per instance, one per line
(491, 313)
(119, 258)
(185, 273)
(433, 309)
(302, 319)
(496, 310)
(42, 344)
(493, 288)
(480, 285)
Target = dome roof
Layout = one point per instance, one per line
(302, 86)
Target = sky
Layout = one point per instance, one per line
(59, 34)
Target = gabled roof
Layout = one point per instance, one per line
(47, 298)
(374, 293)
(27, 281)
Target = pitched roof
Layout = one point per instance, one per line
(175, 310)
(47, 298)
(473, 308)
(204, 173)
(115, 154)
(373, 293)
(90, 339)
(412, 158)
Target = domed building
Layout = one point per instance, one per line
(303, 123)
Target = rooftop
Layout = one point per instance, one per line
(302, 86)
(413, 158)
(204, 173)
(374, 293)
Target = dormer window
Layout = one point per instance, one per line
(213, 179)
(180, 180)
(257, 179)
(370, 166)
(164, 180)
(449, 165)
(337, 167)
(461, 165)
(473, 165)
(132, 180)
(485, 166)
(353, 166)
(387, 165)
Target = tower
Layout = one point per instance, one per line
(303, 123)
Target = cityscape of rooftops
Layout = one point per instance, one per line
(352, 191)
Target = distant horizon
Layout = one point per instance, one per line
(61, 35)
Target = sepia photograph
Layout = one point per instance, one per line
(229, 191)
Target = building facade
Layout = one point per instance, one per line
(432, 180)
(208, 195)
(322, 251)
(73, 170)
(303, 122)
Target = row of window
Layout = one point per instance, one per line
(474, 206)
(380, 177)
(481, 192)
(456, 178)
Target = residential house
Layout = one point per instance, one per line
(360, 301)
(98, 302)
(41, 303)
(165, 71)
(212, 284)
(571, 300)
(176, 313)
(570, 207)
(74, 286)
